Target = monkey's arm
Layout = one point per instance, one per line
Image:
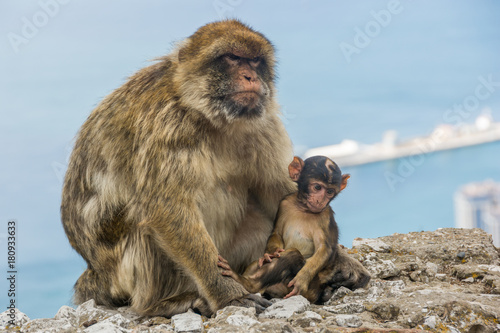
(273, 250)
(275, 242)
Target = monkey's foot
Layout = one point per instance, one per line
(353, 280)
(251, 300)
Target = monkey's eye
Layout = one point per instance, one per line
(255, 61)
(233, 57)
(330, 191)
(317, 187)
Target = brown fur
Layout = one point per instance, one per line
(165, 175)
(159, 181)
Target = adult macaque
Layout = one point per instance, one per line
(185, 161)
(305, 238)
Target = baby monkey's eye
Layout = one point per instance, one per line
(317, 187)
(330, 191)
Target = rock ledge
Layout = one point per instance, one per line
(442, 281)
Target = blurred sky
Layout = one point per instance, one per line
(426, 58)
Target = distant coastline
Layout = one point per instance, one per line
(444, 137)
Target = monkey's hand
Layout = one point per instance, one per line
(223, 262)
(300, 284)
(267, 258)
(251, 300)
(227, 271)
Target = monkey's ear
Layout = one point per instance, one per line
(295, 168)
(344, 181)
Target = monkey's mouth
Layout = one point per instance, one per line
(246, 94)
(315, 208)
(244, 104)
(247, 91)
(246, 101)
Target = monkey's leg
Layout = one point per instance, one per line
(275, 276)
(161, 285)
(271, 278)
(154, 283)
(282, 269)
(345, 271)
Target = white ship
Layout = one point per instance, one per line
(444, 137)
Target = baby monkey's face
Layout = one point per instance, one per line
(320, 194)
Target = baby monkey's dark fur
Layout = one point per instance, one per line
(302, 250)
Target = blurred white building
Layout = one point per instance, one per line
(477, 205)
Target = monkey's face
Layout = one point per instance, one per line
(319, 180)
(226, 71)
(319, 195)
(244, 93)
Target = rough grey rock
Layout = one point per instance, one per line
(236, 316)
(66, 312)
(241, 320)
(380, 268)
(338, 294)
(375, 244)
(89, 311)
(348, 321)
(384, 310)
(187, 322)
(286, 307)
(348, 308)
(419, 284)
(49, 326)
(305, 319)
(118, 320)
(105, 327)
(431, 269)
(20, 319)
(466, 271)
(431, 322)
(442, 246)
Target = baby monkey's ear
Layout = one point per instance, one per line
(295, 168)
(344, 181)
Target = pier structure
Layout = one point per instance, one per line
(444, 137)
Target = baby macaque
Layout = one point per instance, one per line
(301, 251)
